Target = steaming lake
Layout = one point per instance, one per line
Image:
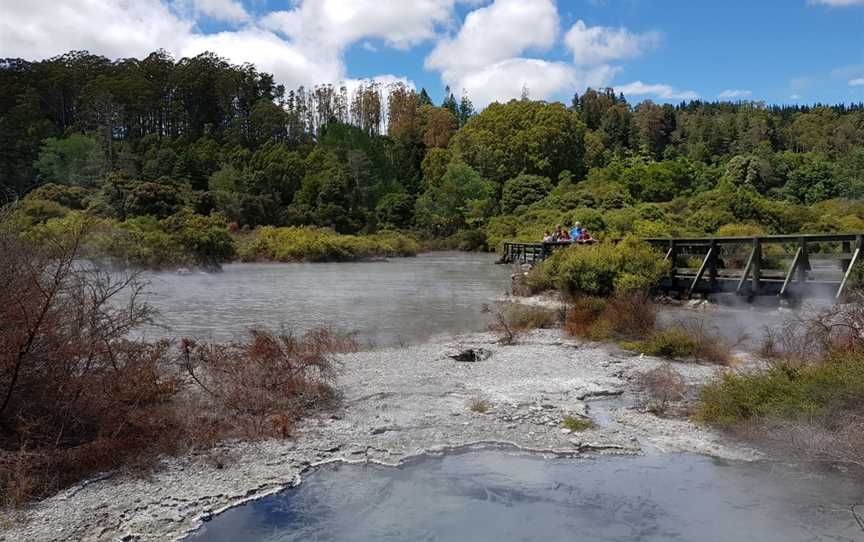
(402, 300)
(498, 496)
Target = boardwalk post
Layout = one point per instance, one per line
(757, 265)
(712, 263)
(856, 254)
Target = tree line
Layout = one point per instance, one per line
(159, 136)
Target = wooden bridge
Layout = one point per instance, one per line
(786, 266)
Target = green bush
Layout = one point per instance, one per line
(601, 269)
(785, 391)
(320, 245)
(671, 343)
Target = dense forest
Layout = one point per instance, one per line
(191, 155)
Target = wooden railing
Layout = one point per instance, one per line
(801, 265)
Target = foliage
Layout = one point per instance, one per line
(784, 391)
(524, 190)
(627, 315)
(669, 343)
(80, 395)
(318, 245)
(602, 269)
(576, 424)
(151, 136)
(77, 160)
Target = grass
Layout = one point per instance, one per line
(576, 424)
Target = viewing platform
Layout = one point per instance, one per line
(787, 266)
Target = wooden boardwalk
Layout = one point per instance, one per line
(786, 266)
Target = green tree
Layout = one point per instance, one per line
(463, 199)
(76, 160)
(524, 190)
(537, 138)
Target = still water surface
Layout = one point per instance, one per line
(496, 496)
(403, 300)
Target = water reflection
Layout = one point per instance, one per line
(404, 300)
(503, 497)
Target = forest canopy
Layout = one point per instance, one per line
(159, 139)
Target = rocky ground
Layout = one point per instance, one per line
(397, 403)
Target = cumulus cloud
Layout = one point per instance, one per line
(336, 23)
(732, 94)
(222, 10)
(485, 56)
(495, 33)
(666, 92)
(302, 45)
(600, 44)
(857, 82)
(39, 29)
(838, 3)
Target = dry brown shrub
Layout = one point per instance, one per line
(663, 385)
(810, 334)
(78, 397)
(258, 388)
(625, 315)
(511, 320)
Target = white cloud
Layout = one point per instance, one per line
(303, 45)
(222, 10)
(337, 24)
(40, 29)
(838, 3)
(857, 82)
(485, 56)
(666, 92)
(506, 79)
(290, 64)
(732, 94)
(494, 33)
(795, 97)
(600, 44)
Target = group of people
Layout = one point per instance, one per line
(576, 234)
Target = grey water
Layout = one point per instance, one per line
(386, 303)
(502, 496)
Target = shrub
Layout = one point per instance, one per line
(318, 245)
(785, 390)
(479, 405)
(513, 319)
(576, 424)
(257, 388)
(78, 396)
(664, 385)
(670, 343)
(629, 314)
(601, 269)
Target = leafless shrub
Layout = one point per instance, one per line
(805, 336)
(511, 320)
(663, 385)
(708, 343)
(839, 439)
(259, 387)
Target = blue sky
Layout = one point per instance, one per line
(777, 51)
